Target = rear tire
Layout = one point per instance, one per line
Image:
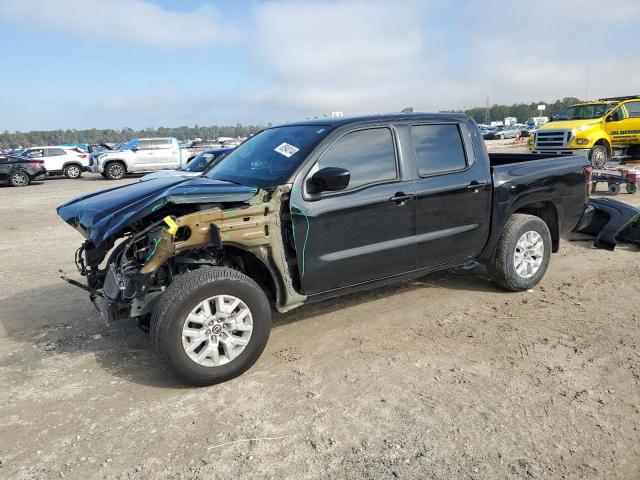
(72, 171)
(177, 305)
(19, 179)
(514, 244)
(599, 156)
(632, 187)
(114, 170)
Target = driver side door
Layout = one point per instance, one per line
(364, 232)
(619, 126)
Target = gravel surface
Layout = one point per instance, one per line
(445, 377)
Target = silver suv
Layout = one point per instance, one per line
(137, 156)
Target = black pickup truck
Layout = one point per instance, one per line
(309, 211)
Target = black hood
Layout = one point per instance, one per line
(101, 215)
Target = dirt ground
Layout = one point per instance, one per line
(446, 377)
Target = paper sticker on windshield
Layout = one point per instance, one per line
(286, 149)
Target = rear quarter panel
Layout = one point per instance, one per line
(560, 181)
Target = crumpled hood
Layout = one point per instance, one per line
(100, 215)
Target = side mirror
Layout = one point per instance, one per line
(134, 149)
(329, 179)
(612, 118)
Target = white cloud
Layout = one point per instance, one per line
(368, 56)
(127, 22)
(335, 55)
(357, 56)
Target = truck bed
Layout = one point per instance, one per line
(496, 159)
(550, 183)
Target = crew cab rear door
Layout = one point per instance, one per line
(167, 154)
(364, 232)
(453, 190)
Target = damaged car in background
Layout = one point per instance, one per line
(305, 212)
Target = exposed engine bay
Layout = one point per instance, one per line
(176, 238)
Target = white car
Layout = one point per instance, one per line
(67, 161)
(139, 155)
(195, 167)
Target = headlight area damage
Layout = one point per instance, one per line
(182, 232)
(609, 222)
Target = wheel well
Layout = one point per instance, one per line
(21, 170)
(253, 267)
(121, 162)
(71, 163)
(547, 212)
(605, 143)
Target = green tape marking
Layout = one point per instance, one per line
(306, 234)
(156, 242)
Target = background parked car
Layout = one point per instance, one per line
(139, 155)
(195, 148)
(507, 132)
(20, 171)
(490, 133)
(59, 160)
(195, 167)
(527, 130)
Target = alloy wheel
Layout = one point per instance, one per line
(217, 330)
(19, 179)
(73, 171)
(528, 254)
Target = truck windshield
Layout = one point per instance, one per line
(268, 159)
(128, 145)
(586, 111)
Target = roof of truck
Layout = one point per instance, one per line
(383, 117)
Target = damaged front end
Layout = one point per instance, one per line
(609, 222)
(171, 233)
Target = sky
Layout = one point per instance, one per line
(152, 63)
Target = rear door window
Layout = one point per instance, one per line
(438, 148)
(369, 155)
(55, 152)
(163, 144)
(633, 109)
(147, 145)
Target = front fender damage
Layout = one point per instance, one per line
(609, 222)
(255, 228)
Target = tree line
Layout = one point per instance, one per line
(521, 111)
(95, 136)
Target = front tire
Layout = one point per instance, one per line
(72, 171)
(523, 253)
(211, 325)
(599, 156)
(114, 170)
(19, 179)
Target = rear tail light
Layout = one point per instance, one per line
(36, 164)
(82, 155)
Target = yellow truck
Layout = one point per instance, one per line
(605, 129)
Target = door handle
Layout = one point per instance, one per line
(475, 186)
(400, 198)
